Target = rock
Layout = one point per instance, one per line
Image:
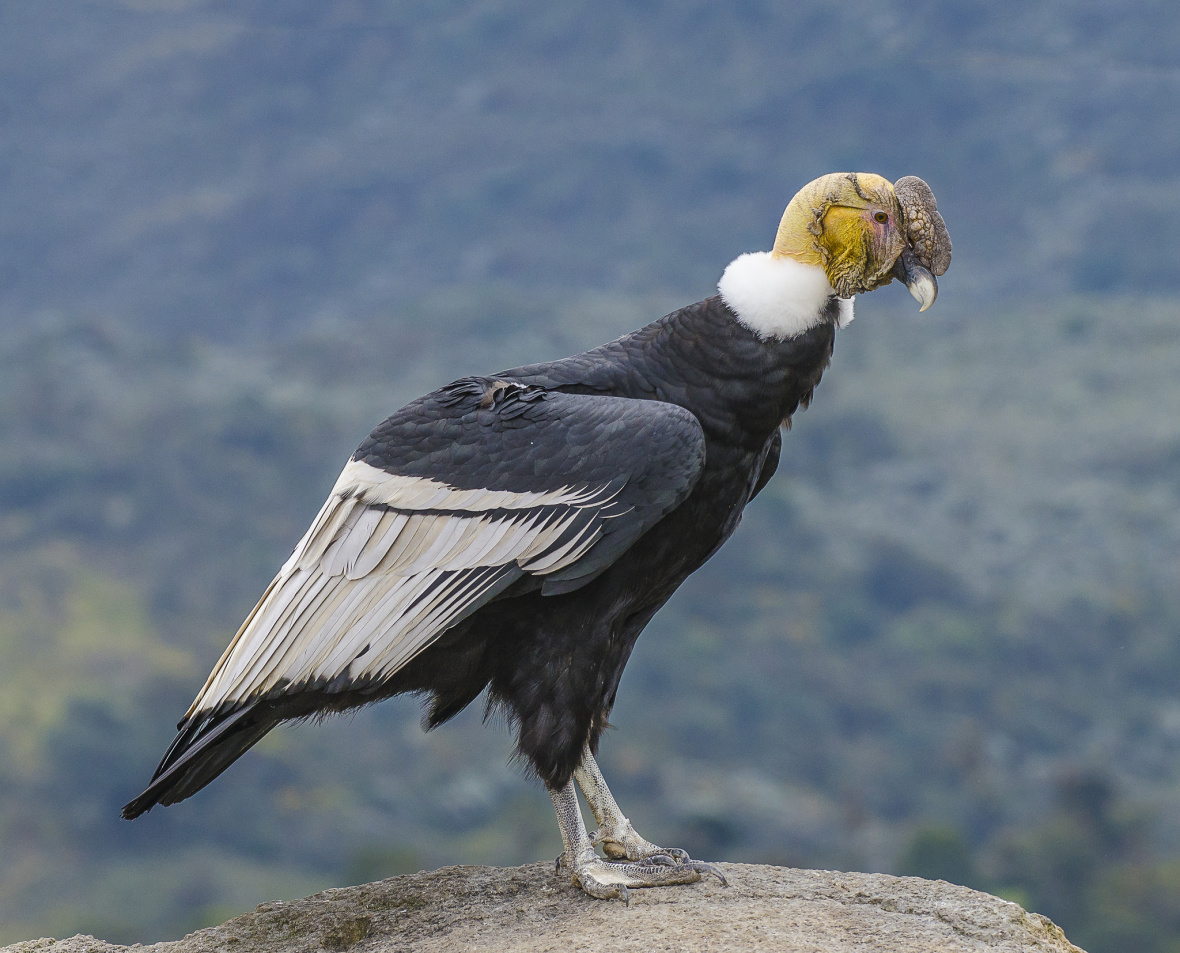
(530, 909)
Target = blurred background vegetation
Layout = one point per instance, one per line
(945, 641)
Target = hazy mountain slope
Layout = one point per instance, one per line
(223, 168)
(234, 236)
(959, 590)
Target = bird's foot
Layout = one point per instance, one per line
(620, 841)
(609, 880)
(634, 862)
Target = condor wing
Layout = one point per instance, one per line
(445, 505)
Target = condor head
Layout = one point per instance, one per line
(865, 231)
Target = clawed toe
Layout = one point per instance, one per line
(706, 868)
(607, 880)
(675, 857)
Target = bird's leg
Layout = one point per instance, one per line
(618, 839)
(615, 834)
(607, 879)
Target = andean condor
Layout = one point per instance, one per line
(515, 533)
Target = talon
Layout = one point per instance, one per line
(706, 868)
(662, 859)
(625, 896)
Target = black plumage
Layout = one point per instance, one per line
(515, 533)
(682, 417)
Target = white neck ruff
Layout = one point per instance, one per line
(778, 297)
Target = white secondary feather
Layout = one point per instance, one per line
(373, 485)
(776, 297)
(388, 564)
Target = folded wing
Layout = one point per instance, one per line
(446, 504)
(389, 564)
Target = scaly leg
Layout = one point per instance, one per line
(618, 838)
(606, 879)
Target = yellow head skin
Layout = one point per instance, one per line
(848, 223)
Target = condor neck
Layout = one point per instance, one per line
(740, 385)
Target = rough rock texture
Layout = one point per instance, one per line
(529, 909)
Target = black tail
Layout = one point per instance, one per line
(202, 750)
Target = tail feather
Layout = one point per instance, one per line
(200, 752)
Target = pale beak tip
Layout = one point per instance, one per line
(924, 289)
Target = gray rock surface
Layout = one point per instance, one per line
(530, 909)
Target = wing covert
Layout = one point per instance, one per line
(443, 507)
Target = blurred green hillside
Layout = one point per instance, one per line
(955, 603)
(946, 639)
(224, 168)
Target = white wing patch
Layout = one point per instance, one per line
(387, 566)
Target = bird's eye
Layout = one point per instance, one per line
(881, 217)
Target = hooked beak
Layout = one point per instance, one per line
(921, 282)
